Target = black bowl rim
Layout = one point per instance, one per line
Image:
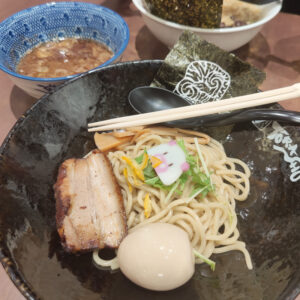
(7, 263)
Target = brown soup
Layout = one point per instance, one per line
(63, 58)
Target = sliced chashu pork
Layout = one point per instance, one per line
(90, 212)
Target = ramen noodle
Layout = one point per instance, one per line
(208, 218)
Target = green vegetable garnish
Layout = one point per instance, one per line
(211, 263)
(149, 172)
(140, 158)
(196, 192)
(201, 181)
(152, 181)
(202, 160)
(173, 189)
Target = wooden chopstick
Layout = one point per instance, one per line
(238, 99)
(185, 112)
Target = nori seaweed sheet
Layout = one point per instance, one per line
(245, 79)
(196, 13)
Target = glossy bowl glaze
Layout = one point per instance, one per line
(226, 38)
(26, 29)
(55, 129)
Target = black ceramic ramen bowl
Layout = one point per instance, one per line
(55, 129)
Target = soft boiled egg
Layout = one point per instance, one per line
(157, 256)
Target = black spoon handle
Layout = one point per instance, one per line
(258, 114)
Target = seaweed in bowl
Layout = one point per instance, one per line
(199, 13)
(228, 38)
(206, 14)
(55, 130)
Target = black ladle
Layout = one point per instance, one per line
(149, 99)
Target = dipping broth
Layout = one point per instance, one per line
(63, 58)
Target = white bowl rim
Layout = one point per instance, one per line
(57, 79)
(264, 20)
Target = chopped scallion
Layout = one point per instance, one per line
(211, 263)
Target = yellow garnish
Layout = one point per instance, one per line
(125, 173)
(135, 167)
(131, 175)
(155, 161)
(145, 161)
(135, 180)
(147, 206)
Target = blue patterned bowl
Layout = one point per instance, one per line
(30, 27)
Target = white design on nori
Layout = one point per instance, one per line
(204, 81)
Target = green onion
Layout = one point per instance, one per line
(152, 181)
(211, 263)
(196, 194)
(202, 160)
(172, 191)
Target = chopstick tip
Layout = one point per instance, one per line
(297, 85)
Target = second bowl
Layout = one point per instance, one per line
(226, 38)
(56, 21)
